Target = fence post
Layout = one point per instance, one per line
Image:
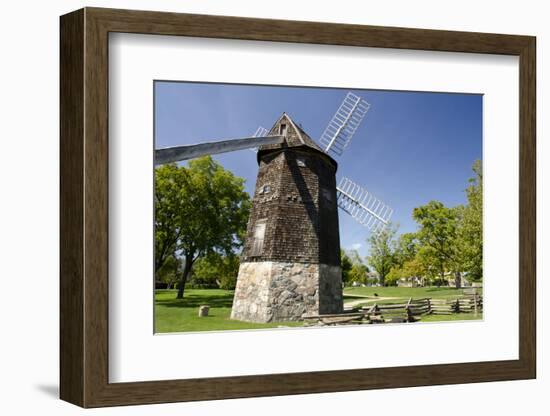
(475, 303)
(429, 305)
(408, 311)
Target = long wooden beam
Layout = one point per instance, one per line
(179, 153)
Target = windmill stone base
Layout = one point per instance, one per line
(277, 291)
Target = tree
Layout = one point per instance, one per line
(199, 210)
(359, 273)
(406, 248)
(382, 252)
(216, 270)
(410, 268)
(169, 272)
(353, 267)
(438, 235)
(229, 272)
(359, 270)
(346, 265)
(393, 276)
(169, 203)
(471, 231)
(413, 268)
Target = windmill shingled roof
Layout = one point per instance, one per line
(295, 136)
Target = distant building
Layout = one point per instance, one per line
(464, 280)
(413, 281)
(373, 279)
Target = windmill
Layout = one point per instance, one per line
(354, 199)
(290, 265)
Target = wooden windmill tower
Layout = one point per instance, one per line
(290, 265)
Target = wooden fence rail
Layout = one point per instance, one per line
(401, 312)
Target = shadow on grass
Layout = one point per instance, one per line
(192, 301)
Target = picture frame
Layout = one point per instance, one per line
(84, 217)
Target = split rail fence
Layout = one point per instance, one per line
(411, 311)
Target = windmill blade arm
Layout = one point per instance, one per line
(362, 205)
(344, 123)
(179, 153)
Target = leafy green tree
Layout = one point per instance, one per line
(229, 272)
(205, 273)
(169, 204)
(393, 276)
(359, 273)
(382, 251)
(353, 267)
(216, 270)
(199, 209)
(438, 236)
(471, 230)
(170, 270)
(409, 269)
(406, 248)
(359, 270)
(413, 268)
(346, 265)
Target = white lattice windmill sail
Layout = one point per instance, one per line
(364, 207)
(344, 124)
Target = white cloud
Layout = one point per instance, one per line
(356, 246)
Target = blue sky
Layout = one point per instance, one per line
(412, 147)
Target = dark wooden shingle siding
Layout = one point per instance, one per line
(302, 223)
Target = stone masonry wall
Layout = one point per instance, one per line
(277, 291)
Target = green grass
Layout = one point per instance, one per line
(395, 295)
(181, 315)
(378, 302)
(405, 292)
(453, 317)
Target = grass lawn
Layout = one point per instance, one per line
(453, 317)
(405, 292)
(391, 295)
(181, 315)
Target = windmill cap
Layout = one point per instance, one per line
(295, 136)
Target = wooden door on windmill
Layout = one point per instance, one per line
(258, 242)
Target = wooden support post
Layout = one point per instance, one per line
(408, 312)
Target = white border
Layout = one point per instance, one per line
(135, 354)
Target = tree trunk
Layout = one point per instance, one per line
(458, 280)
(442, 278)
(159, 260)
(174, 279)
(183, 280)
